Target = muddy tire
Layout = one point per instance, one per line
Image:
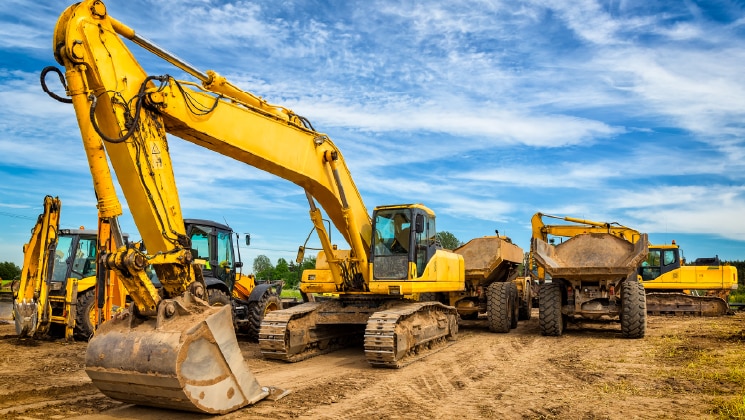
(257, 310)
(515, 302)
(217, 297)
(499, 309)
(633, 309)
(549, 310)
(526, 309)
(85, 314)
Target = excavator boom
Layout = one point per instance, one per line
(124, 115)
(170, 348)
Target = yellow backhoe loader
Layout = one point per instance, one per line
(170, 349)
(56, 294)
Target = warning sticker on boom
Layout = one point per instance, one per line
(155, 160)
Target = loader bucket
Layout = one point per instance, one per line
(189, 360)
(25, 315)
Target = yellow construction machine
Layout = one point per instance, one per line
(591, 275)
(170, 349)
(673, 287)
(56, 294)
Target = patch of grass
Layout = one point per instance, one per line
(737, 296)
(290, 294)
(729, 408)
(621, 387)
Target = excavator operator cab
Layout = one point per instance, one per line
(212, 246)
(660, 260)
(403, 235)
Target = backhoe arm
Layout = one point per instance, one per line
(31, 308)
(579, 226)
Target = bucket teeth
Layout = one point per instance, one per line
(189, 361)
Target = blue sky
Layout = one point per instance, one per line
(485, 111)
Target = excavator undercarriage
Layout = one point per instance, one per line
(678, 303)
(395, 332)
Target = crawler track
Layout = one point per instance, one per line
(662, 303)
(294, 334)
(407, 332)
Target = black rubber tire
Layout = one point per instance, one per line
(498, 307)
(256, 310)
(549, 310)
(526, 309)
(515, 302)
(86, 303)
(218, 297)
(633, 309)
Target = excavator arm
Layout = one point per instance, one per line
(132, 112)
(124, 115)
(170, 348)
(577, 226)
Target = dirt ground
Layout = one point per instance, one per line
(684, 368)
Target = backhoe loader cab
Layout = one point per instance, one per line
(73, 281)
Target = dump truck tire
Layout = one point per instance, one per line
(633, 309)
(257, 310)
(549, 305)
(526, 309)
(217, 297)
(499, 302)
(84, 315)
(515, 305)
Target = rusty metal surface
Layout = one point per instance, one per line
(591, 255)
(190, 361)
(484, 257)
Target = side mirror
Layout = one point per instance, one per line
(419, 224)
(248, 239)
(300, 255)
(239, 264)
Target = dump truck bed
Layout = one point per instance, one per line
(489, 258)
(590, 256)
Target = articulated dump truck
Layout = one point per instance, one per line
(492, 283)
(592, 276)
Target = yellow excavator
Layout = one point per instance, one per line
(170, 349)
(674, 287)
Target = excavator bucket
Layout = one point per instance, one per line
(187, 358)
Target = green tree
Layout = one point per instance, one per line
(9, 271)
(448, 240)
(296, 271)
(740, 265)
(263, 268)
(281, 270)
